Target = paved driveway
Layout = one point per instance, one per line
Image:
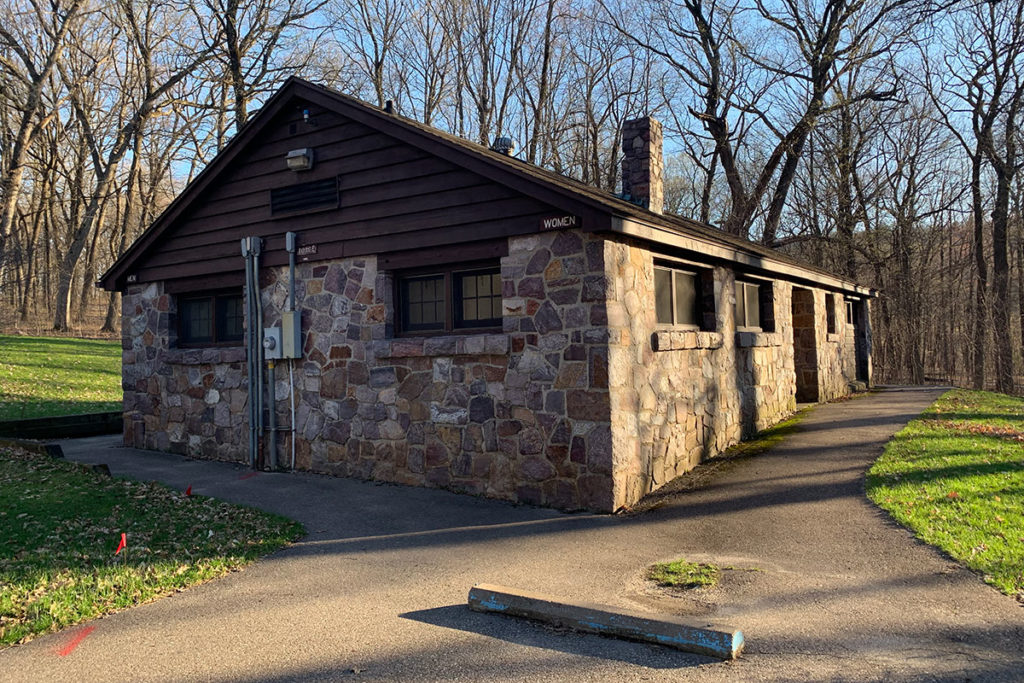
(824, 585)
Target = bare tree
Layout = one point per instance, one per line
(32, 38)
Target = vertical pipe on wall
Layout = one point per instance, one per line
(272, 441)
(250, 351)
(257, 244)
(290, 244)
(291, 400)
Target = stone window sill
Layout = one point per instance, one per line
(684, 340)
(752, 339)
(449, 345)
(833, 337)
(230, 354)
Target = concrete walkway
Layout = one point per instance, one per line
(825, 587)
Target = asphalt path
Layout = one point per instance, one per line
(824, 585)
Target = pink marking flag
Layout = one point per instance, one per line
(122, 544)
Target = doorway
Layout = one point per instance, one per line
(805, 346)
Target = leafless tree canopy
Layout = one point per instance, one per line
(878, 138)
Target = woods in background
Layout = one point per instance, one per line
(876, 138)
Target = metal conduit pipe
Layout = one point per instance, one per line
(272, 413)
(290, 240)
(250, 351)
(257, 244)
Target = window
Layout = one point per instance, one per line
(849, 312)
(210, 319)
(748, 305)
(830, 312)
(755, 305)
(676, 297)
(444, 300)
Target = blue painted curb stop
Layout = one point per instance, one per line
(719, 641)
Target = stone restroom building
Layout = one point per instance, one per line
(463, 319)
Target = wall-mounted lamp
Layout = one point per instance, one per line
(300, 159)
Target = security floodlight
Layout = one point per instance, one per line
(300, 159)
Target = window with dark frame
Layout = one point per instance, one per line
(677, 298)
(830, 313)
(754, 307)
(211, 319)
(452, 299)
(748, 304)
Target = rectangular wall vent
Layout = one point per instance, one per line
(311, 196)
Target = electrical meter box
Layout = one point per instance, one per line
(291, 334)
(272, 343)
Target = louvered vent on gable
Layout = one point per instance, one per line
(312, 196)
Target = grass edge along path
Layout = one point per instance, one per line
(63, 523)
(955, 477)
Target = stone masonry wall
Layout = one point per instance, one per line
(521, 415)
(188, 401)
(682, 396)
(581, 401)
(836, 359)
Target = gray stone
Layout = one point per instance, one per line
(481, 409)
(547, 319)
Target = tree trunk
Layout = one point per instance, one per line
(981, 274)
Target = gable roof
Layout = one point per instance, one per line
(606, 212)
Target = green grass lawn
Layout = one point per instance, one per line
(62, 523)
(956, 478)
(46, 376)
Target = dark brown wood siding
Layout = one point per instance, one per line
(393, 197)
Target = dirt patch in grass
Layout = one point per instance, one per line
(955, 477)
(63, 523)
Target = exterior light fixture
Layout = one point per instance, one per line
(300, 159)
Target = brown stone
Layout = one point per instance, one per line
(435, 454)
(595, 492)
(531, 288)
(536, 469)
(593, 406)
(333, 383)
(553, 271)
(531, 441)
(414, 384)
(340, 352)
(598, 368)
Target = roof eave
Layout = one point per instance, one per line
(750, 259)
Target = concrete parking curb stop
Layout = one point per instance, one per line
(717, 641)
(51, 449)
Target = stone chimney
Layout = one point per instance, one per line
(642, 163)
